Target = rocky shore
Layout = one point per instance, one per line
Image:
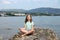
(40, 34)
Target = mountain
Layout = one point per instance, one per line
(45, 10)
(13, 10)
(37, 10)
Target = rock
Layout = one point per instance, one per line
(40, 34)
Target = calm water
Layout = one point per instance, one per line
(52, 22)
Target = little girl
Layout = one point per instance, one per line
(28, 26)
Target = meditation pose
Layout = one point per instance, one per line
(28, 26)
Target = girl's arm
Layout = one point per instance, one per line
(33, 27)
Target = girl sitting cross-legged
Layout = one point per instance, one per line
(28, 26)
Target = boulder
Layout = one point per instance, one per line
(39, 34)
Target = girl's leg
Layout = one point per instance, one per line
(23, 30)
(28, 32)
(31, 32)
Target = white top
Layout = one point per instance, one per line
(29, 25)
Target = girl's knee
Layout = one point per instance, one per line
(20, 29)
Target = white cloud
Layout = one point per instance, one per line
(6, 2)
(9, 1)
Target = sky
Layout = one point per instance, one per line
(28, 4)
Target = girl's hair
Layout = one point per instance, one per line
(27, 19)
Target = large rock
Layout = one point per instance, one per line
(40, 34)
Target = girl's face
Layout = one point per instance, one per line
(28, 17)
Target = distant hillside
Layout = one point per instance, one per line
(37, 10)
(13, 10)
(45, 10)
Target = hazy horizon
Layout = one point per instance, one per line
(29, 4)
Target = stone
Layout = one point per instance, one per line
(40, 34)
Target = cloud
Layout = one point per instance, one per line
(6, 2)
(9, 1)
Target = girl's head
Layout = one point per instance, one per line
(28, 18)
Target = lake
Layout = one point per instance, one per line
(9, 25)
